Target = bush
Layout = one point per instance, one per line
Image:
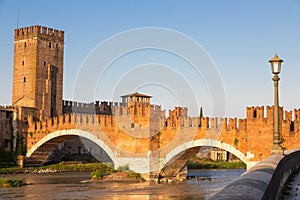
(60, 168)
(134, 175)
(11, 182)
(97, 174)
(197, 163)
(123, 168)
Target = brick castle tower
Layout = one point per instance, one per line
(139, 108)
(38, 70)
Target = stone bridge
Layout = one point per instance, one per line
(163, 146)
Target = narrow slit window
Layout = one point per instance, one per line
(23, 63)
(24, 79)
(292, 126)
(49, 44)
(7, 143)
(44, 63)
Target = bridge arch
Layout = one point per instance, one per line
(176, 159)
(67, 134)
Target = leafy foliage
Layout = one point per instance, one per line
(197, 163)
(123, 168)
(236, 142)
(75, 167)
(97, 174)
(11, 182)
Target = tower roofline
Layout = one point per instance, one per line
(37, 30)
(136, 94)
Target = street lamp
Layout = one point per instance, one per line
(276, 67)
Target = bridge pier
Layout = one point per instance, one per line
(148, 166)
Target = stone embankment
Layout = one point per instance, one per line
(263, 181)
(253, 183)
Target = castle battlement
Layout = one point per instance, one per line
(69, 121)
(255, 118)
(6, 107)
(263, 114)
(122, 113)
(156, 107)
(87, 108)
(296, 114)
(121, 110)
(255, 112)
(114, 104)
(38, 31)
(178, 112)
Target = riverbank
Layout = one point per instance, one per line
(194, 163)
(117, 176)
(204, 163)
(99, 172)
(61, 167)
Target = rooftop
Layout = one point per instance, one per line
(136, 94)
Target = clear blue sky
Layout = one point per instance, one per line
(239, 36)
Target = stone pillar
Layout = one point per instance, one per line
(20, 160)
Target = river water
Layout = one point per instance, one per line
(70, 186)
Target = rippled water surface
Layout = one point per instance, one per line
(70, 186)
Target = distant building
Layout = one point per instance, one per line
(218, 154)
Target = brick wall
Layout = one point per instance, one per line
(6, 139)
(38, 69)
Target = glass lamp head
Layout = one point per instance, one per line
(276, 64)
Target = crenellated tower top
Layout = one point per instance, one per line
(38, 31)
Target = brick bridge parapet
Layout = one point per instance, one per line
(252, 136)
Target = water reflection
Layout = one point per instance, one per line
(69, 186)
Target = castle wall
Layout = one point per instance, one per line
(96, 107)
(252, 136)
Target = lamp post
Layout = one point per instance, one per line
(276, 67)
